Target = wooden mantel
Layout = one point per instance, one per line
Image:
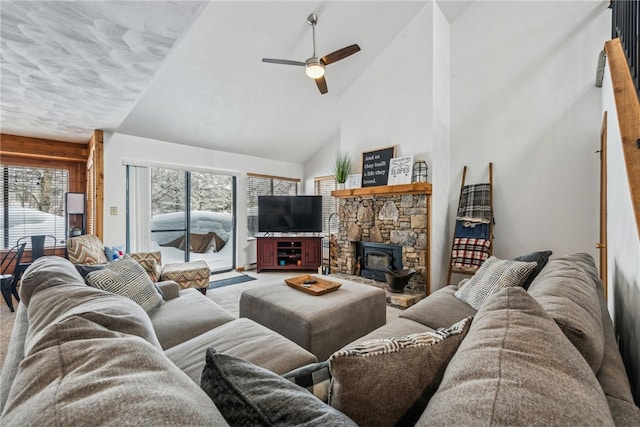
(384, 190)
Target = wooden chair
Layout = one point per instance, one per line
(11, 273)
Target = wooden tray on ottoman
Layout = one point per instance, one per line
(320, 287)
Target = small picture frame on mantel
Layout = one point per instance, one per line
(354, 181)
(400, 170)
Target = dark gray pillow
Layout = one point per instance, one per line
(246, 394)
(85, 269)
(540, 258)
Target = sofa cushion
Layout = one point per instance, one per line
(189, 315)
(369, 379)
(494, 274)
(246, 394)
(515, 367)
(540, 258)
(87, 249)
(241, 338)
(80, 373)
(440, 310)
(127, 278)
(566, 289)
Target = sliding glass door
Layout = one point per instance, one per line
(192, 216)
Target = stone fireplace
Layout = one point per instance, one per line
(383, 219)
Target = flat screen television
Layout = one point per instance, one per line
(289, 214)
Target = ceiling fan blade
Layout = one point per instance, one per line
(340, 54)
(283, 62)
(322, 85)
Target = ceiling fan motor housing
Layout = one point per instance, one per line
(314, 68)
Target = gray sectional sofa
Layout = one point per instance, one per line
(79, 355)
(542, 356)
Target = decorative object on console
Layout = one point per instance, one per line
(400, 170)
(420, 170)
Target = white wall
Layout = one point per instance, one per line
(402, 99)
(120, 148)
(523, 97)
(319, 164)
(623, 243)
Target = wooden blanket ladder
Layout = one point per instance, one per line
(469, 270)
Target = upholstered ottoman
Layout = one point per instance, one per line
(192, 274)
(241, 338)
(321, 324)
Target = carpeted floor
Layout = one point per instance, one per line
(227, 297)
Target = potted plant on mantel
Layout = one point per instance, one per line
(341, 169)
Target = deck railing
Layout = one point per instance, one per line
(626, 25)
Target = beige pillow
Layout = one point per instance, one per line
(151, 262)
(493, 275)
(389, 380)
(87, 249)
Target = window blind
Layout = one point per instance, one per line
(32, 203)
(260, 185)
(323, 187)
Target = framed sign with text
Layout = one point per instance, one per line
(400, 170)
(375, 166)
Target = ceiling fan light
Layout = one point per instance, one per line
(315, 71)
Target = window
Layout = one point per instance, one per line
(32, 202)
(260, 185)
(323, 187)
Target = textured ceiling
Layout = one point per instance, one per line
(70, 67)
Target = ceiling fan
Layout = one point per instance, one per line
(315, 66)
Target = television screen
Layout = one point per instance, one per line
(289, 214)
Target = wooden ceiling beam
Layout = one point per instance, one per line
(45, 149)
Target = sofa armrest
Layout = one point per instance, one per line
(169, 288)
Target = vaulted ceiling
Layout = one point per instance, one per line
(188, 72)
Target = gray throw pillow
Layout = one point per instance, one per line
(248, 395)
(540, 258)
(127, 278)
(383, 381)
(493, 275)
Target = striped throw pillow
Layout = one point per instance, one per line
(389, 381)
(493, 275)
(127, 278)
